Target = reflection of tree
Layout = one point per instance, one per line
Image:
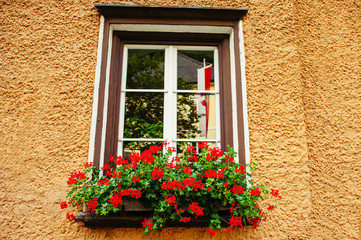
(144, 111)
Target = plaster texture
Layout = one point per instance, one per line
(304, 105)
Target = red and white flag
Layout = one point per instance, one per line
(204, 83)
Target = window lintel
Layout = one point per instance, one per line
(171, 12)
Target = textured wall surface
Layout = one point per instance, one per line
(303, 70)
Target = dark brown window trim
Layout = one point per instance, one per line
(171, 12)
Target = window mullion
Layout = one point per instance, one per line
(172, 103)
(218, 109)
(167, 119)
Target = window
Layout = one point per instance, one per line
(169, 93)
(168, 74)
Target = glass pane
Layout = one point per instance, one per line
(145, 69)
(195, 70)
(138, 147)
(182, 147)
(196, 116)
(143, 115)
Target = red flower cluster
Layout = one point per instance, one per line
(274, 193)
(134, 157)
(157, 173)
(189, 181)
(172, 149)
(211, 232)
(209, 189)
(229, 158)
(135, 193)
(213, 174)
(136, 179)
(147, 157)
(194, 208)
(240, 170)
(116, 200)
(133, 164)
(104, 181)
(154, 148)
(73, 179)
(191, 149)
(235, 221)
(91, 205)
(186, 219)
(106, 167)
(187, 170)
(203, 145)
(271, 207)
(120, 160)
(116, 174)
(214, 154)
(193, 158)
(70, 216)
(254, 222)
(63, 205)
(237, 189)
(88, 164)
(256, 192)
(228, 230)
(170, 200)
(148, 223)
(170, 185)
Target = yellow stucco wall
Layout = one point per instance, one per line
(304, 104)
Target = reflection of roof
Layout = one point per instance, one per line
(187, 67)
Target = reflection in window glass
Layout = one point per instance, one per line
(143, 115)
(145, 69)
(196, 116)
(195, 70)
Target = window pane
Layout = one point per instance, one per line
(145, 69)
(196, 116)
(195, 70)
(138, 147)
(143, 115)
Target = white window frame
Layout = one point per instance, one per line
(170, 98)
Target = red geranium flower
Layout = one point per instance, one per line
(136, 179)
(271, 207)
(155, 148)
(148, 223)
(274, 193)
(63, 205)
(106, 167)
(256, 192)
(187, 170)
(203, 145)
(157, 173)
(211, 232)
(70, 216)
(186, 219)
(172, 149)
